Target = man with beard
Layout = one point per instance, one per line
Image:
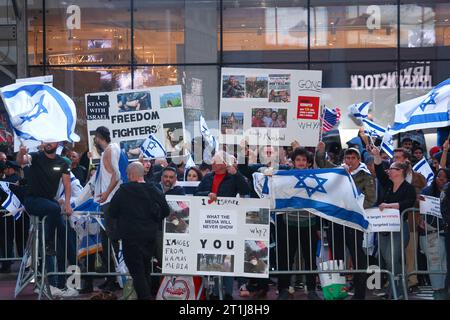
(107, 182)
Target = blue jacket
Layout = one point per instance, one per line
(231, 185)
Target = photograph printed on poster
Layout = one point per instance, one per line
(233, 86)
(134, 101)
(170, 100)
(215, 262)
(132, 148)
(256, 87)
(178, 219)
(256, 259)
(279, 88)
(232, 123)
(173, 138)
(94, 150)
(257, 216)
(269, 118)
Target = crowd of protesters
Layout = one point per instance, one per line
(385, 182)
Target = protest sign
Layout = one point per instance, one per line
(387, 220)
(270, 106)
(133, 115)
(431, 206)
(228, 237)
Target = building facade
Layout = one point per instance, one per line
(384, 51)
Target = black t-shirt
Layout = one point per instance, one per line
(45, 174)
(80, 173)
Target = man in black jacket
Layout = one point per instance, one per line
(139, 208)
(168, 182)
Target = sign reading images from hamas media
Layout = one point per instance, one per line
(132, 116)
(228, 237)
(270, 106)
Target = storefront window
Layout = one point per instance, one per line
(176, 31)
(88, 32)
(265, 31)
(338, 25)
(425, 29)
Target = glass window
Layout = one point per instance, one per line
(8, 44)
(35, 32)
(346, 83)
(78, 81)
(265, 31)
(338, 28)
(176, 31)
(425, 29)
(88, 32)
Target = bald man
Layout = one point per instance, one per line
(139, 208)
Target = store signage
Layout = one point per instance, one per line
(412, 77)
(73, 20)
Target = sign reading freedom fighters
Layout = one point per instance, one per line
(270, 106)
(228, 237)
(132, 116)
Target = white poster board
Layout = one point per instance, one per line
(229, 237)
(431, 206)
(270, 106)
(133, 115)
(387, 220)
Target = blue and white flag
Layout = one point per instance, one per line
(387, 144)
(211, 144)
(428, 111)
(360, 110)
(87, 228)
(423, 167)
(261, 185)
(152, 148)
(12, 204)
(75, 187)
(40, 112)
(372, 129)
(189, 162)
(328, 193)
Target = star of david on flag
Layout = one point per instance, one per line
(311, 183)
(40, 112)
(151, 148)
(427, 111)
(328, 193)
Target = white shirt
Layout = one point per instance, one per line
(103, 179)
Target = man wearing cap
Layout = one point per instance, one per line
(107, 182)
(11, 172)
(353, 238)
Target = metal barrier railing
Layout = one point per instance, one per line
(344, 244)
(427, 233)
(13, 237)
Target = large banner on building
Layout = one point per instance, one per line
(228, 237)
(270, 106)
(133, 115)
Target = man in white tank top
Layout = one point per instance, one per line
(107, 182)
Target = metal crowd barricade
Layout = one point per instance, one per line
(53, 269)
(13, 236)
(323, 234)
(431, 242)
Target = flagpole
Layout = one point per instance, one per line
(321, 124)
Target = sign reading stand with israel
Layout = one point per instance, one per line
(153, 115)
(270, 106)
(228, 237)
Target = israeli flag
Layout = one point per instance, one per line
(261, 185)
(428, 111)
(12, 204)
(387, 144)
(372, 129)
(152, 148)
(189, 162)
(40, 112)
(75, 186)
(327, 193)
(211, 146)
(360, 110)
(423, 167)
